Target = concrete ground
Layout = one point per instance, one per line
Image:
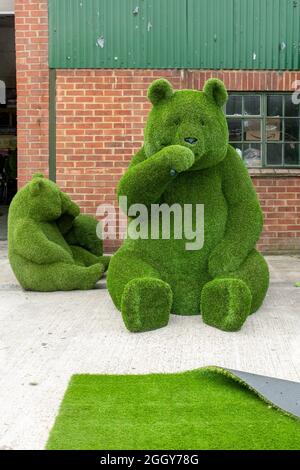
(45, 338)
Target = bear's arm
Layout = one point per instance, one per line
(68, 206)
(84, 233)
(32, 244)
(70, 210)
(244, 220)
(147, 178)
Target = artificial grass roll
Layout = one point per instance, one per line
(201, 409)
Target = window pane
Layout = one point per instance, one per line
(274, 105)
(4, 121)
(234, 105)
(274, 129)
(14, 121)
(252, 129)
(291, 129)
(235, 129)
(291, 109)
(252, 105)
(291, 154)
(238, 148)
(274, 154)
(252, 155)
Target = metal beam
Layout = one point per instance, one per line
(52, 124)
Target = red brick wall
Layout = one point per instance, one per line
(100, 120)
(280, 200)
(31, 22)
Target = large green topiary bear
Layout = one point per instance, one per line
(186, 159)
(51, 246)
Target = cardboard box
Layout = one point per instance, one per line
(256, 135)
(272, 130)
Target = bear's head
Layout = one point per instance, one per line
(194, 119)
(42, 200)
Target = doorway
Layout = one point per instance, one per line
(8, 121)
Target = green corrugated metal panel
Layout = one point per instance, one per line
(154, 36)
(218, 34)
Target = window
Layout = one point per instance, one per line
(264, 129)
(2, 92)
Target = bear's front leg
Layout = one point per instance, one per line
(136, 288)
(225, 303)
(146, 304)
(227, 300)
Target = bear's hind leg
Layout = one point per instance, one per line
(63, 277)
(227, 300)
(83, 257)
(136, 288)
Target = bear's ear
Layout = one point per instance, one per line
(35, 186)
(38, 175)
(159, 90)
(215, 89)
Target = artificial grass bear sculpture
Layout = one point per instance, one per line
(51, 246)
(186, 159)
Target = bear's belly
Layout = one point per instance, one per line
(182, 261)
(54, 235)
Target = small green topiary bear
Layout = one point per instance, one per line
(186, 159)
(50, 245)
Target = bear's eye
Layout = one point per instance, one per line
(202, 122)
(176, 121)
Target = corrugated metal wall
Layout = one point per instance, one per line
(218, 34)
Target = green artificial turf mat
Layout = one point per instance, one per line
(202, 409)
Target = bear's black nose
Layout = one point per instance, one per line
(190, 140)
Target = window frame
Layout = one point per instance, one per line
(263, 118)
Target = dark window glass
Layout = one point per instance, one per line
(274, 154)
(14, 120)
(291, 154)
(291, 129)
(234, 105)
(252, 105)
(235, 129)
(274, 105)
(4, 120)
(291, 109)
